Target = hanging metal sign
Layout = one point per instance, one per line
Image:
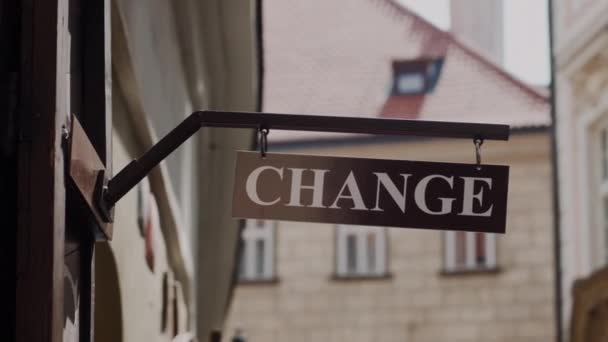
(397, 193)
(324, 189)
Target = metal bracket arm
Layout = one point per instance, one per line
(134, 172)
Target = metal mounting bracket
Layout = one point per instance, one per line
(87, 177)
(135, 171)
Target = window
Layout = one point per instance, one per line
(257, 256)
(415, 77)
(410, 83)
(361, 251)
(469, 251)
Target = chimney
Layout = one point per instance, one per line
(480, 24)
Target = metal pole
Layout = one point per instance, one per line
(338, 124)
(557, 251)
(128, 177)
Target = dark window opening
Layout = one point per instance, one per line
(416, 77)
(351, 254)
(259, 258)
(480, 249)
(371, 252)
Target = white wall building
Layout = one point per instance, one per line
(581, 76)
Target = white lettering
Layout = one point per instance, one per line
(355, 194)
(420, 195)
(469, 196)
(316, 187)
(388, 184)
(251, 186)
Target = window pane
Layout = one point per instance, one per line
(480, 249)
(259, 257)
(604, 153)
(410, 83)
(470, 251)
(461, 249)
(243, 262)
(371, 252)
(351, 253)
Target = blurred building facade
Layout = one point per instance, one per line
(581, 78)
(309, 282)
(163, 71)
(129, 72)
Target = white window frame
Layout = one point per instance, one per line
(410, 83)
(252, 233)
(471, 264)
(362, 268)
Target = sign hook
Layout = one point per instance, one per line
(263, 141)
(478, 142)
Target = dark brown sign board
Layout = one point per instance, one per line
(376, 192)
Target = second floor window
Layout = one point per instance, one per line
(361, 251)
(469, 251)
(257, 255)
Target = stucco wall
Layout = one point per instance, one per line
(582, 107)
(169, 59)
(581, 87)
(417, 303)
(143, 304)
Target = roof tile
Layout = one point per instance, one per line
(334, 58)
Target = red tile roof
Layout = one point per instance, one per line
(403, 107)
(334, 58)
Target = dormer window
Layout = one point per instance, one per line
(410, 83)
(415, 77)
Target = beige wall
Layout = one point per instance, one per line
(417, 303)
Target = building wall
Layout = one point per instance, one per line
(143, 304)
(581, 75)
(156, 303)
(170, 59)
(417, 302)
(576, 22)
